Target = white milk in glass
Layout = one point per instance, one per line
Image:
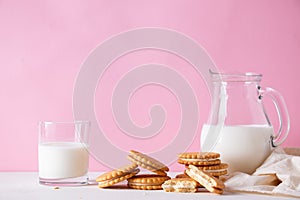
(243, 147)
(62, 160)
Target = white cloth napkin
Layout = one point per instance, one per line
(278, 175)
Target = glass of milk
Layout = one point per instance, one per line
(63, 156)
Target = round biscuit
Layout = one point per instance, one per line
(146, 187)
(147, 181)
(107, 183)
(199, 155)
(147, 162)
(116, 172)
(214, 167)
(146, 166)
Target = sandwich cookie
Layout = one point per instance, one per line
(185, 176)
(182, 176)
(186, 185)
(214, 170)
(147, 162)
(118, 175)
(147, 181)
(199, 158)
(211, 183)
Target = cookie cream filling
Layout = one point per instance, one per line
(214, 170)
(184, 184)
(199, 159)
(178, 186)
(144, 184)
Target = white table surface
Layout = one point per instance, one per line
(24, 185)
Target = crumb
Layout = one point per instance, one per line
(56, 188)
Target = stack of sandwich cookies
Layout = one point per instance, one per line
(147, 181)
(129, 173)
(201, 171)
(206, 161)
(211, 183)
(117, 175)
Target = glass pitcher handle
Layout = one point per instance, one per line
(284, 119)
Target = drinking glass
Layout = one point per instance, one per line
(63, 156)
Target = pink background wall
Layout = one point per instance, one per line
(43, 43)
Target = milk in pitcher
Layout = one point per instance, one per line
(243, 147)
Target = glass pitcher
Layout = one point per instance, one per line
(239, 127)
